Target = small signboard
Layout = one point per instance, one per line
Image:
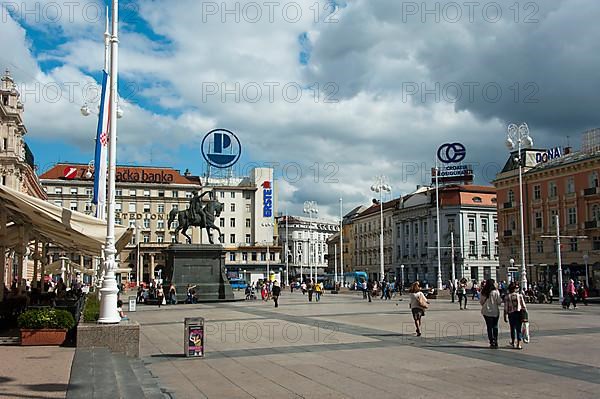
(132, 304)
(194, 336)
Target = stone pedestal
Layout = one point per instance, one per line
(201, 265)
(123, 337)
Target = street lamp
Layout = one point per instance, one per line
(402, 277)
(139, 269)
(518, 138)
(379, 187)
(310, 207)
(586, 259)
(270, 225)
(512, 264)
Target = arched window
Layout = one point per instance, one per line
(596, 213)
(594, 180)
(511, 196)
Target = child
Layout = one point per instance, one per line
(120, 310)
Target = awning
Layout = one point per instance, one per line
(70, 230)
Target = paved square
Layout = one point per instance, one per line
(345, 347)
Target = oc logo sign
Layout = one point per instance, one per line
(452, 153)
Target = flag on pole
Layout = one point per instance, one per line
(100, 161)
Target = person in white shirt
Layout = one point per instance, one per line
(490, 309)
(418, 304)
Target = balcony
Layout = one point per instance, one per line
(593, 224)
(590, 191)
(508, 233)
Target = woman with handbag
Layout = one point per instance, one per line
(490, 309)
(418, 304)
(514, 305)
(462, 292)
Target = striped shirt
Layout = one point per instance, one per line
(514, 303)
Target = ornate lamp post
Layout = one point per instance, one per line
(518, 138)
(310, 207)
(270, 225)
(379, 187)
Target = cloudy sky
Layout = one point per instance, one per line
(332, 93)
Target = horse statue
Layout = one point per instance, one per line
(197, 216)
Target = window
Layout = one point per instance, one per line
(132, 193)
(247, 195)
(118, 207)
(175, 224)
(58, 190)
(232, 256)
(425, 227)
(222, 194)
(416, 228)
(552, 190)
(471, 224)
(160, 224)
(245, 256)
(146, 208)
(477, 200)
(475, 273)
(511, 196)
(132, 224)
(247, 241)
(594, 180)
(160, 238)
(74, 191)
(232, 222)
(233, 194)
(485, 249)
(451, 224)
(89, 192)
(73, 205)
(553, 213)
(146, 193)
(248, 223)
(188, 195)
(406, 229)
(570, 185)
(496, 248)
(118, 220)
(540, 247)
(160, 208)
(537, 192)
(173, 238)
(232, 238)
(537, 219)
(596, 213)
(484, 225)
(254, 256)
(119, 193)
(573, 244)
(232, 207)
(596, 244)
(572, 216)
(222, 222)
(175, 194)
(146, 223)
(495, 225)
(263, 256)
(248, 208)
(161, 193)
(472, 248)
(131, 208)
(146, 238)
(88, 208)
(175, 206)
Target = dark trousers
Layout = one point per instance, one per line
(453, 293)
(310, 295)
(369, 295)
(276, 300)
(492, 328)
(460, 299)
(364, 294)
(514, 320)
(572, 300)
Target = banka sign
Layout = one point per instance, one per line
(267, 199)
(549, 155)
(123, 175)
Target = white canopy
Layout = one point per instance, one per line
(70, 230)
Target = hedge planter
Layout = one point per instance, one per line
(42, 337)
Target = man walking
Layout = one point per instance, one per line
(276, 291)
(369, 289)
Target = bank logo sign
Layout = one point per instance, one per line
(452, 153)
(221, 148)
(267, 199)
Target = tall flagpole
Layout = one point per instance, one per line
(437, 208)
(109, 290)
(341, 242)
(287, 250)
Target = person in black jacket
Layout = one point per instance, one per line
(275, 292)
(369, 289)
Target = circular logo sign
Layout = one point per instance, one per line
(452, 153)
(221, 148)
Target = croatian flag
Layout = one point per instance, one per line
(100, 163)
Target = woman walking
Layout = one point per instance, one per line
(514, 303)
(462, 292)
(418, 304)
(160, 295)
(490, 309)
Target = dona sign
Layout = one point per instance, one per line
(549, 155)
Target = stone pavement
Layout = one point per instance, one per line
(345, 347)
(34, 372)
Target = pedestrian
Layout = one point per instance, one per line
(160, 295)
(462, 292)
(571, 295)
(364, 287)
(582, 293)
(172, 295)
(303, 287)
(474, 289)
(310, 287)
(369, 289)
(318, 292)
(452, 288)
(418, 304)
(550, 294)
(490, 309)
(276, 292)
(514, 303)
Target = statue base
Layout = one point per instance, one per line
(202, 265)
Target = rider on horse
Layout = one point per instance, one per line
(196, 212)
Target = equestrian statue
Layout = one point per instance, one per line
(196, 215)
